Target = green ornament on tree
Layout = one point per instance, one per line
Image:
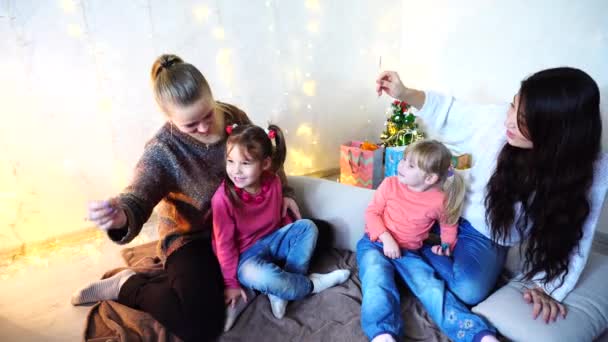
(400, 128)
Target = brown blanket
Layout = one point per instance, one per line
(333, 315)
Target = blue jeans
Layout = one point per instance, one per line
(381, 311)
(472, 271)
(292, 245)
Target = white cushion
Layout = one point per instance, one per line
(343, 206)
(587, 309)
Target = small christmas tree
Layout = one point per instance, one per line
(400, 127)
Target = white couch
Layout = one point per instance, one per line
(344, 206)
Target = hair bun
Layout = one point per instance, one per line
(163, 62)
(166, 61)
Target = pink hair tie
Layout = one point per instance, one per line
(230, 128)
(272, 134)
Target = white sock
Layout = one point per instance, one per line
(489, 338)
(383, 338)
(105, 289)
(322, 282)
(278, 306)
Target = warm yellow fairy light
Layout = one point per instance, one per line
(313, 26)
(68, 6)
(105, 105)
(75, 31)
(223, 60)
(309, 88)
(304, 130)
(300, 160)
(201, 13)
(384, 27)
(313, 5)
(218, 33)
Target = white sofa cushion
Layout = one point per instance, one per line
(587, 309)
(343, 206)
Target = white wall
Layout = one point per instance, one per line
(77, 106)
(480, 50)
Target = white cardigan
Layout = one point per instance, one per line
(479, 130)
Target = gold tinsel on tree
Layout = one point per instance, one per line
(400, 127)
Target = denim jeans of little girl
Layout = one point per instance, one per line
(278, 263)
(381, 311)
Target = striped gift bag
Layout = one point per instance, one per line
(359, 167)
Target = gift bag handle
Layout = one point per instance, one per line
(350, 161)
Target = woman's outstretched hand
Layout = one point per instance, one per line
(289, 203)
(545, 304)
(231, 296)
(107, 214)
(390, 83)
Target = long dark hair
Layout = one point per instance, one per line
(258, 145)
(559, 112)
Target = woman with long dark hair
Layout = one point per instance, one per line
(531, 183)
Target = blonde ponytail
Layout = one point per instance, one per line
(454, 188)
(433, 157)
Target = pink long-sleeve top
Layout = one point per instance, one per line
(235, 229)
(407, 215)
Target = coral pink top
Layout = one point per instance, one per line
(408, 215)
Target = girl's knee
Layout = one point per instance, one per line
(309, 227)
(470, 292)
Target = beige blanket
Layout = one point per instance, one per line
(333, 315)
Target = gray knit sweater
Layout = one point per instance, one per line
(182, 174)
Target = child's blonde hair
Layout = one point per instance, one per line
(431, 156)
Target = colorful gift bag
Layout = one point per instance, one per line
(360, 167)
(392, 156)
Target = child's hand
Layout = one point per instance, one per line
(289, 203)
(391, 247)
(231, 296)
(443, 250)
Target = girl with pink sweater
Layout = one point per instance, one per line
(258, 247)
